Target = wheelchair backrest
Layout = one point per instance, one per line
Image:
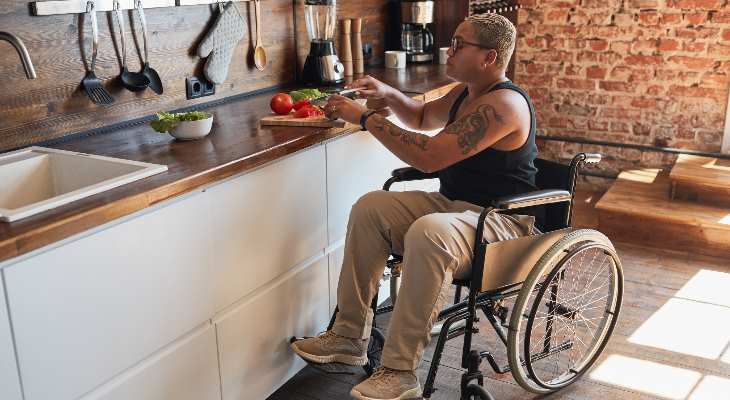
(553, 175)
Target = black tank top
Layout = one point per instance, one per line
(492, 173)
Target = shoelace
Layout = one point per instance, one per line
(382, 377)
(327, 337)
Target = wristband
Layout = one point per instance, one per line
(364, 118)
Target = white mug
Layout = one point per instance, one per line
(443, 55)
(395, 59)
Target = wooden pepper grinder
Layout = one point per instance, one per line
(345, 51)
(357, 56)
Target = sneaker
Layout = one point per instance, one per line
(330, 347)
(388, 384)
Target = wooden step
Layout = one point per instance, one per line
(701, 179)
(637, 209)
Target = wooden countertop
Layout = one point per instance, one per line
(235, 145)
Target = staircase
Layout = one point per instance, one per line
(687, 209)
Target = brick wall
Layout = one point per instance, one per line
(653, 72)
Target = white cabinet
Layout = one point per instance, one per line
(335, 266)
(267, 221)
(9, 383)
(356, 164)
(253, 338)
(90, 309)
(184, 370)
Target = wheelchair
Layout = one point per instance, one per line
(566, 284)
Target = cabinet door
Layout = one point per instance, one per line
(335, 266)
(9, 383)
(356, 164)
(184, 370)
(253, 339)
(87, 310)
(266, 222)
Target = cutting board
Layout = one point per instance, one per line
(289, 120)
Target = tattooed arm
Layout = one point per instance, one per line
(484, 122)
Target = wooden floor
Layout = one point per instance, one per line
(672, 340)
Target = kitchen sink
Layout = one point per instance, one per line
(37, 179)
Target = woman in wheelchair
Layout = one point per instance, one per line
(485, 159)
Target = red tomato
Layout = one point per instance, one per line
(308, 111)
(301, 103)
(281, 103)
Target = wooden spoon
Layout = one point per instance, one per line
(259, 54)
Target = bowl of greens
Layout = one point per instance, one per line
(184, 126)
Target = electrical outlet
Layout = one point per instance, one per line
(198, 87)
(208, 87)
(193, 88)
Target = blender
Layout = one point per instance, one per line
(322, 66)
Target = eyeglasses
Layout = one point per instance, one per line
(457, 43)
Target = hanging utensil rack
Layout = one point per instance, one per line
(55, 7)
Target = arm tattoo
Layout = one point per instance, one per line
(406, 137)
(472, 128)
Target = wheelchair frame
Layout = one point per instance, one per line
(489, 302)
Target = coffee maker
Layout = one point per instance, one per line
(416, 37)
(322, 66)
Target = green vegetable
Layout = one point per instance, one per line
(168, 121)
(308, 94)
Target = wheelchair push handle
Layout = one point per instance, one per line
(591, 158)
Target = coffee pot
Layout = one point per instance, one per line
(416, 37)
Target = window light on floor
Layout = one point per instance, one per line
(646, 376)
(686, 327)
(711, 388)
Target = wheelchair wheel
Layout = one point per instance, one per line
(565, 312)
(375, 351)
(476, 392)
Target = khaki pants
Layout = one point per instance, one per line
(436, 236)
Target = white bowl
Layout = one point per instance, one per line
(191, 130)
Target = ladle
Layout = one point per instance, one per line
(133, 81)
(259, 54)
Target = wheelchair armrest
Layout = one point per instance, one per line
(411, 174)
(407, 174)
(535, 198)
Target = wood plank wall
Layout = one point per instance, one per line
(54, 106)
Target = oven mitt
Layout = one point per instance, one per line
(220, 43)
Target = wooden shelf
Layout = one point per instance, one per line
(55, 7)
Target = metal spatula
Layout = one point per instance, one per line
(91, 84)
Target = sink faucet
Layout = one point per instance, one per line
(22, 51)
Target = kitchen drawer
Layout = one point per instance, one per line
(266, 222)
(9, 383)
(253, 339)
(184, 370)
(356, 164)
(91, 308)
